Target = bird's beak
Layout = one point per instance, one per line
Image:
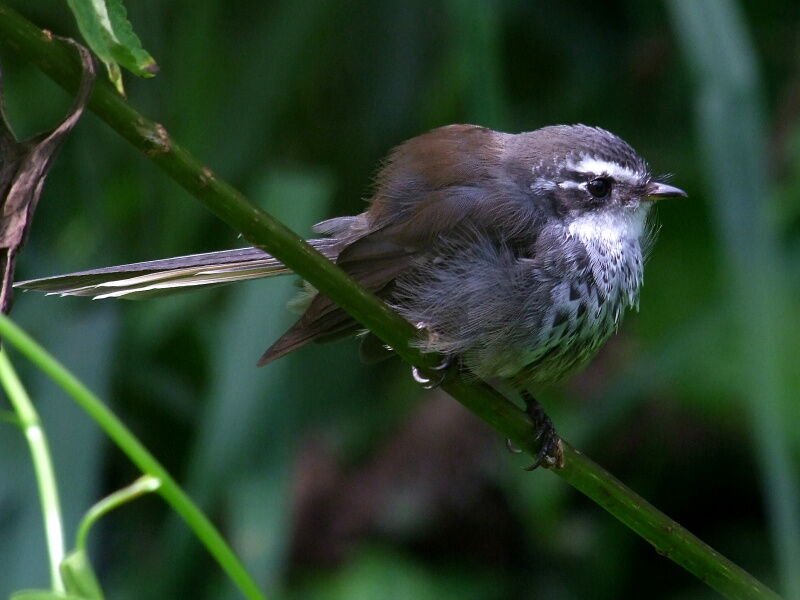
(656, 191)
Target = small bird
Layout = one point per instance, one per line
(515, 254)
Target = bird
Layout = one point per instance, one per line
(515, 255)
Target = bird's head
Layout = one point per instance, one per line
(589, 178)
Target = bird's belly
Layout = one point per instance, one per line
(585, 310)
(549, 345)
(532, 319)
(563, 353)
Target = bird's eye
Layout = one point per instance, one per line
(599, 187)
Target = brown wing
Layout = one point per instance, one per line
(427, 186)
(323, 319)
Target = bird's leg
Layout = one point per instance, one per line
(550, 453)
(439, 373)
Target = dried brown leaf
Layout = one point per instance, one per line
(23, 170)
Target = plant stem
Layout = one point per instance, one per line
(42, 464)
(139, 455)
(256, 226)
(260, 229)
(143, 485)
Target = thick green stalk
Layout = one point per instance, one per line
(260, 229)
(31, 425)
(133, 448)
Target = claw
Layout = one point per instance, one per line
(512, 448)
(430, 383)
(425, 382)
(550, 452)
(444, 365)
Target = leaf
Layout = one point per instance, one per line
(79, 577)
(43, 595)
(105, 27)
(23, 170)
(128, 50)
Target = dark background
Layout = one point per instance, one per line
(337, 480)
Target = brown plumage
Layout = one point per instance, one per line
(494, 243)
(413, 203)
(516, 254)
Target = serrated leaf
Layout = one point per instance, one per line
(128, 50)
(105, 26)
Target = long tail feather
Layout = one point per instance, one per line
(160, 277)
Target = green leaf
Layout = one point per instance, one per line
(43, 595)
(105, 27)
(79, 577)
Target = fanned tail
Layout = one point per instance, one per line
(161, 277)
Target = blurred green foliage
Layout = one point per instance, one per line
(337, 480)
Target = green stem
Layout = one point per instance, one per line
(127, 442)
(144, 485)
(260, 229)
(669, 538)
(28, 420)
(256, 226)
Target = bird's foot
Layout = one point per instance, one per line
(432, 377)
(550, 452)
(512, 448)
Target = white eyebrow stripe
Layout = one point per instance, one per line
(573, 185)
(542, 184)
(604, 167)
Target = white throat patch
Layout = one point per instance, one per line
(610, 227)
(613, 241)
